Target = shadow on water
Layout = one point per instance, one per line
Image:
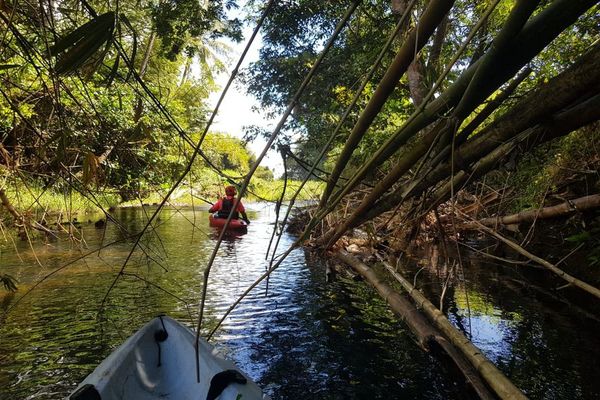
(302, 338)
(538, 336)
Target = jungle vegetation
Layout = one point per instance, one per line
(403, 108)
(101, 104)
(461, 91)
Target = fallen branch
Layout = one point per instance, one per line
(9, 207)
(426, 333)
(566, 208)
(20, 219)
(501, 385)
(572, 280)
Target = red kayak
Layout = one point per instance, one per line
(234, 224)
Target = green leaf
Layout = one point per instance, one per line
(579, 237)
(9, 282)
(82, 43)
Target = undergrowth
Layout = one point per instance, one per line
(39, 203)
(561, 169)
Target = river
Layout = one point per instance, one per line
(299, 338)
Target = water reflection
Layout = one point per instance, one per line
(300, 338)
(541, 339)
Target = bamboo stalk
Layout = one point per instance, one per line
(501, 385)
(482, 85)
(535, 35)
(426, 333)
(566, 208)
(558, 125)
(492, 106)
(415, 41)
(343, 119)
(571, 279)
(569, 87)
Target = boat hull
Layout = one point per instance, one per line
(234, 224)
(146, 368)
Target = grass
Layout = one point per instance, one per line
(259, 190)
(38, 203)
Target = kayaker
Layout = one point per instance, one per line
(223, 206)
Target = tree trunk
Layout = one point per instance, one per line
(576, 83)
(398, 6)
(501, 385)
(416, 81)
(139, 108)
(436, 47)
(19, 219)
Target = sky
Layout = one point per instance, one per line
(235, 111)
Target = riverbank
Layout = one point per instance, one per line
(29, 205)
(536, 232)
(484, 288)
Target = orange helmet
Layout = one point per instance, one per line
(230, 191)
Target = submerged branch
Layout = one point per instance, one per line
(503, 387)
(418, 324)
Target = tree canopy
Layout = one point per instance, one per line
(85, 88)
(453, 72)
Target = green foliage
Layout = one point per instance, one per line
(77, 47)
(227, 152)
(97, 124)
(178, 21)
(568, 46)
(271, 190)
(550, 169)
(9, 282)
(264, 173)
(36, 201)
(294, 34)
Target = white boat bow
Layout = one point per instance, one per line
(159, 362)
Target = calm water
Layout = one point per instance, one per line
(301, 338)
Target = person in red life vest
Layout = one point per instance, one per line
(223, 206)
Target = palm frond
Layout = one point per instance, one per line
(74, 50)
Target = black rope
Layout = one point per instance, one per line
(160, 336)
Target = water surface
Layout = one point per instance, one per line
(301, 338)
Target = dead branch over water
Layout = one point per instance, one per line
(496, 380)
(426, 334)
(572, 280)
